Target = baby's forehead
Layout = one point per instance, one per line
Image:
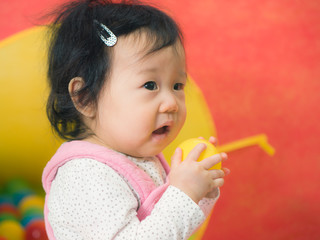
(143, 43)
(133, 53)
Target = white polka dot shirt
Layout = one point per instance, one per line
(89, 200)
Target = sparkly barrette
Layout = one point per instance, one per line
(106, 35)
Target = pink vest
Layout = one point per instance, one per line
(143, 185)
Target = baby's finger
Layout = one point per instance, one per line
(209, 162)
(226, 171)
(195, 152)
(217, 183)
(213, 140)
(224, 156)
(215, 174)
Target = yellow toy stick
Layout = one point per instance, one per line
(260, 140)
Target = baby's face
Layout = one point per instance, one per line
(141, 108)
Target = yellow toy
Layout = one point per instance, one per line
(189, 144)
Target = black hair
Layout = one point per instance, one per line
(76, 50)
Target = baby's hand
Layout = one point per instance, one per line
(193, 177)
(214, 193)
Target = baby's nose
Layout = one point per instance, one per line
(169, 104)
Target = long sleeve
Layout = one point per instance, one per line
(206, 204)
(89, 200)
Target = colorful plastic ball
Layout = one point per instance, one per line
(7, 216)
(10, 209)
(36, 230)
(30, 218)
(34, 211)
(21, 194)
(11, 230)
(6, 199)
(31, 201)
(15, 185)
(189, 144)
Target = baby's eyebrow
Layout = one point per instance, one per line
(149, 70)
(182, 73)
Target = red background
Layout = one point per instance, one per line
(258, 65)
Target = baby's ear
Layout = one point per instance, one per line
(75, 85)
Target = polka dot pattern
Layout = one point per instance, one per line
(89, 200)
(151, 166)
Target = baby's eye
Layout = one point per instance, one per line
(178, 86)
(150, 85)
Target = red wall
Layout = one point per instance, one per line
(258, 64)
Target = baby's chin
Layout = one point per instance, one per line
(146, 152)
(139, 148)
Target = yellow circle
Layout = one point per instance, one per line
(189, 144)
(11, 230)
(26, 142)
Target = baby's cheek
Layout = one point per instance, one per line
(183, 115)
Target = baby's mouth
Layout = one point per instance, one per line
(161, 130)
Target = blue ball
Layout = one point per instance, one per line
(30, 218)
(19, 195)
(6, 199)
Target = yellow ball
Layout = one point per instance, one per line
(11, 230)
(189, 144)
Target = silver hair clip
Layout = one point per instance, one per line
(106, 35)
